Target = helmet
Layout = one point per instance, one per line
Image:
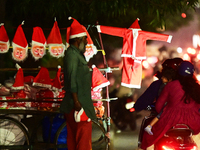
(173, 63)
(186, 68)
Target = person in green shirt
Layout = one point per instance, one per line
(77, 85)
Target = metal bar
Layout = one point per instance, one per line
(107, 93)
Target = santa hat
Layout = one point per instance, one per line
(4, 39)
(76, 29)
(38, 36)
(54, 39)
(38, 39)
(98, 80)
(42, 79)
(19, 79)
(56, 85)
(20, 41)
(135, 25)
(81, 116)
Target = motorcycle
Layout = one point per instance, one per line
(179, 137)
(123, 114)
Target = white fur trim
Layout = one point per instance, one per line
(93, 66)
(77, 115)
(126, 55)
(101, 86)
(17, 88)
(41, 85)
(98, 28)
(78, 35)
(69, 18)
(38, 43)
(131, 86)
(169, 39)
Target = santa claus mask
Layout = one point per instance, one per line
(57, 51)
(19, 54)
(3, 48)
(38, 51)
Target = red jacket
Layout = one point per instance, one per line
(175, 112)
(134, 40)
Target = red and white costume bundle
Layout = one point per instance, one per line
(134, 46)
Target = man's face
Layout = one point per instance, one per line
(83, 43)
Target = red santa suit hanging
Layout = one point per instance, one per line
(54, 41)
(38, 49)
(134, 39)
(134, 46)
(4, 40)
(20, 45)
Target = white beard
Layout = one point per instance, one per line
(82, 47)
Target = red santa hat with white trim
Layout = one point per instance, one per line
(54, 41)
(98, 80)
(56, 85)
(20, 43)
(42, 79)
(4, 40)
(19, 79)
(78, 30)
(38, 39)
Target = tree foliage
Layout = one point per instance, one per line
(153, 13)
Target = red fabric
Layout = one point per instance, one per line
(176, 111)
(131, 73)
(54, 36)
(79, 134)
(134, 40)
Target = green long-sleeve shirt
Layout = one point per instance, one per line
(77, 79)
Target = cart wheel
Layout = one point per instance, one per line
(13, 134)
(98, 135)
(60, 139)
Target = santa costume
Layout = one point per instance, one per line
(134, 46)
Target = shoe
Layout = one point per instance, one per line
(148, 129)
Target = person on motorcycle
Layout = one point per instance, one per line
(183, 105)
(167, 76)
(152, 92)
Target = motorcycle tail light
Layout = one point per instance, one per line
(167, 148)
(132, 110)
